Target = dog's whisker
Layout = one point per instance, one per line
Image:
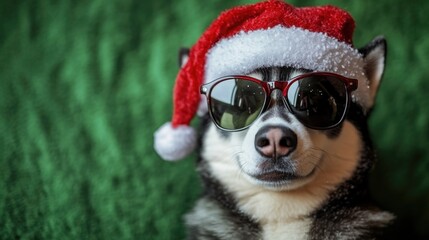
(330, 156)
(242, 164)
(235, 154)
(316, 165)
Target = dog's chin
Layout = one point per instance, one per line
(279, 180)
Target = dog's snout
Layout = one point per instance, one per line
(274, 141)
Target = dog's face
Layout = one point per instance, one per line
(278, 152)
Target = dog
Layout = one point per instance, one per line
(253, 190)
(284, 146)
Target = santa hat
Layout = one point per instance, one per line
(242, 39)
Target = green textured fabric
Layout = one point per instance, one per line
(84, 84)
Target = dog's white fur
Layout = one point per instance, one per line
(285, 211)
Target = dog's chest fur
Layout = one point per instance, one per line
(334, 206)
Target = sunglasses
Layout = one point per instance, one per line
(318, 100)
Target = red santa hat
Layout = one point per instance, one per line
(242, 39)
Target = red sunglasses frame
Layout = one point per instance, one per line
(350, 84)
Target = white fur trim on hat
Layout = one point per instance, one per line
(282, 46)
(174, 143)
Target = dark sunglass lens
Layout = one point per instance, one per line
(236, 103)
(318, 101)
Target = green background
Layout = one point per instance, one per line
(84, 84)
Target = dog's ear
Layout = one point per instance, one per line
(374, 54)
(183, 56)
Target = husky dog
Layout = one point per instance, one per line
(281, 180)
(284, 147)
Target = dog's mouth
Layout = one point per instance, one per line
(281, 180)
(275, 176)
(279, 176)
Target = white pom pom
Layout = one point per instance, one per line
(174, 143)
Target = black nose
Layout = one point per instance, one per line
(275, 141)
